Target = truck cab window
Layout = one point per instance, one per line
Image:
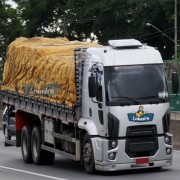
(139, 83)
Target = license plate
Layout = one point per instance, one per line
(142, 161)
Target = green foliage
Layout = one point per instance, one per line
(123, 19)
(10, 28)
(41, 16)
(178, 54)
(107, 19)
(10, 23)
(160, 15)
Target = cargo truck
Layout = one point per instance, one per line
(120, 119)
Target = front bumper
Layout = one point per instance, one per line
(116, 167)
(122, 161)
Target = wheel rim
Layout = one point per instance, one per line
(34, 144)
(87, 153)
(24, 146)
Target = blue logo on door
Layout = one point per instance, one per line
(140, 116)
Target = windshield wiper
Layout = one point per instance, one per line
(127, 98)
(153, 98)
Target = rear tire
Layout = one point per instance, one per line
(39, 155)
(26, 144)
(88, 155)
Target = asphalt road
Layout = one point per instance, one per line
(13, 168)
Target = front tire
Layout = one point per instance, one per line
(39, 155)
(26, 144)
(88, 155)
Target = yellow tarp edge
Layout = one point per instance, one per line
(42, 68)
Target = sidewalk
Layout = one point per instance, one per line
(175, 129)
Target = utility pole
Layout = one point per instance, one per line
(175, 30)
(116, 24)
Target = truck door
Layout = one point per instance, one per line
(97, 98)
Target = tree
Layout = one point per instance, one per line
(160, 14)
(122, 19)
(115, 19)
(10, 23)
(100, 18)
(41, 18)
(10, 28)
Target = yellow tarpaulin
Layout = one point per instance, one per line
(43, 68)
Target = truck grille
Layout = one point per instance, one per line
(141, 141)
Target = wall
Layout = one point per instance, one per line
(175, 129)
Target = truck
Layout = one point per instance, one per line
(121, 118)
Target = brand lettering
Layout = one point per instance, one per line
(140, 116)
(145, 118)
(140, 119)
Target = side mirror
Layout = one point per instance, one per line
(175, 83)
(92, 86)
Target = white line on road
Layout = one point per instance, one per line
(32, 173)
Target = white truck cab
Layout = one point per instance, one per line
(125, 107)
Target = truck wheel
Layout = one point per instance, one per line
(88, 155)
(26, 144)
(39, 155)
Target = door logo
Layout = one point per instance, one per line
(140, 116)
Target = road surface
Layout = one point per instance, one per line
(13, 168)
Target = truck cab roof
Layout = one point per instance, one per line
(124, 52)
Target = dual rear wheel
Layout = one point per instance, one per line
(31, 140)
(26, 144)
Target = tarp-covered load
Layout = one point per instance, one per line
(43, 68)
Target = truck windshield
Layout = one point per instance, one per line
(135, 84)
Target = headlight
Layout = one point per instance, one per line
(113, 144)
(168, 140)
(112, 156)
(168, 151)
